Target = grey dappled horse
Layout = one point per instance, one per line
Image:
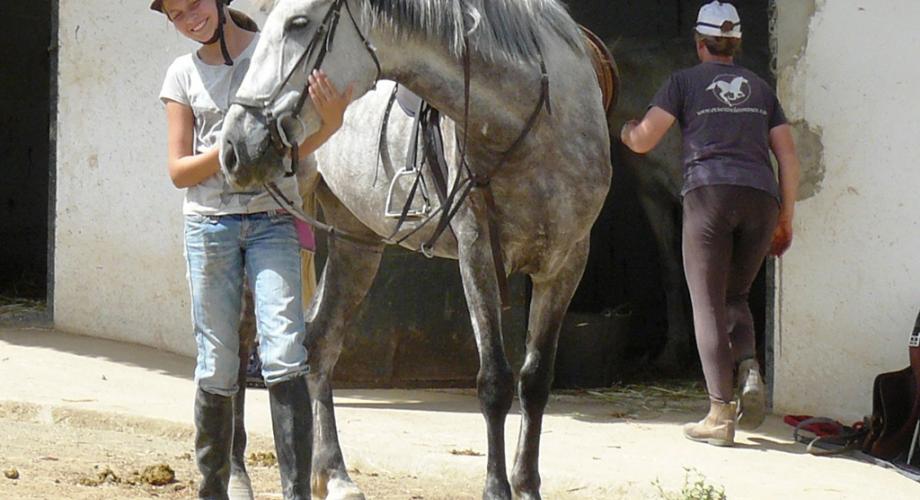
(547, 192)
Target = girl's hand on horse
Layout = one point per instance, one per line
(329, 102)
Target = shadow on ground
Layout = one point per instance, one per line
(110, 350)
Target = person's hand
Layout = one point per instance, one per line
(627, 128)
(329, 102)
(782, 237)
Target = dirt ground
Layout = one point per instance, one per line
(84, 418)
(83, 454)
(89, 455)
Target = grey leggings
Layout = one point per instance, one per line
(726, 235)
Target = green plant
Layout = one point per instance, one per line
(694, 488)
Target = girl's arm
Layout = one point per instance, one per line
(642, 137)
(186, 169)
(330, 104)
(783, 147)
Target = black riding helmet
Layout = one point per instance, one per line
(241, 20)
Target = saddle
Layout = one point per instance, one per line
(895, 422)
(608, 75)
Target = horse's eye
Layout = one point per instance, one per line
(298, 22)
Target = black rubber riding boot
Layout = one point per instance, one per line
(214, 434)
(240, 486)
(292, 423)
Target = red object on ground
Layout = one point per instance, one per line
(819, 429)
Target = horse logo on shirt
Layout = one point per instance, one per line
(730, 89)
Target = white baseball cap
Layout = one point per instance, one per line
(719, 19)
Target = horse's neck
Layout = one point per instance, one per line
(500, 98)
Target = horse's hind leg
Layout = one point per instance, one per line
(240, 487)
(347, 276)
(551, 297)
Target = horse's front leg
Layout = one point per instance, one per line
(347, 276)
(494, 382)
(552, 293)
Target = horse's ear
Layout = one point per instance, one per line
(265, 6)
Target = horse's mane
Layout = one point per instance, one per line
(499, 29)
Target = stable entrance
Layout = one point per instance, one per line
(25, 153)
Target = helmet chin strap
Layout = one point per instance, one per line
(219, 33)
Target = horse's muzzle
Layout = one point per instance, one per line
(247, 156)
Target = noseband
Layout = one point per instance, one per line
(322, 44)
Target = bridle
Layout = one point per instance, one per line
(321, 43)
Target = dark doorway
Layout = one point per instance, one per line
(624, 274)
(25, 149)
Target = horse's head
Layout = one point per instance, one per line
(272, 110)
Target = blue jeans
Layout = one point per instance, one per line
(218, 249)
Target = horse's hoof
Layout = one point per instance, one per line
(526, 490)
(496, 490)
(527, 495)
(341, 489)
(240, 487)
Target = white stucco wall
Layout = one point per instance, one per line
(849, 288)
(119, 271)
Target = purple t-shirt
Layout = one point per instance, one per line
(725, 114)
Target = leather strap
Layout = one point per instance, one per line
(285, 203)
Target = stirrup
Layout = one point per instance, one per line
(413, 212)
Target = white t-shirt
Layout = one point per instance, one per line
(207, 90)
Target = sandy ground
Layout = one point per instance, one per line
(78, 454)
(73, 408)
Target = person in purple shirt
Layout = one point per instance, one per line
(735, 212)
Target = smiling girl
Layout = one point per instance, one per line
(231, 234)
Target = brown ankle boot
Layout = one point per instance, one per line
(718, 428)
(751, 395)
